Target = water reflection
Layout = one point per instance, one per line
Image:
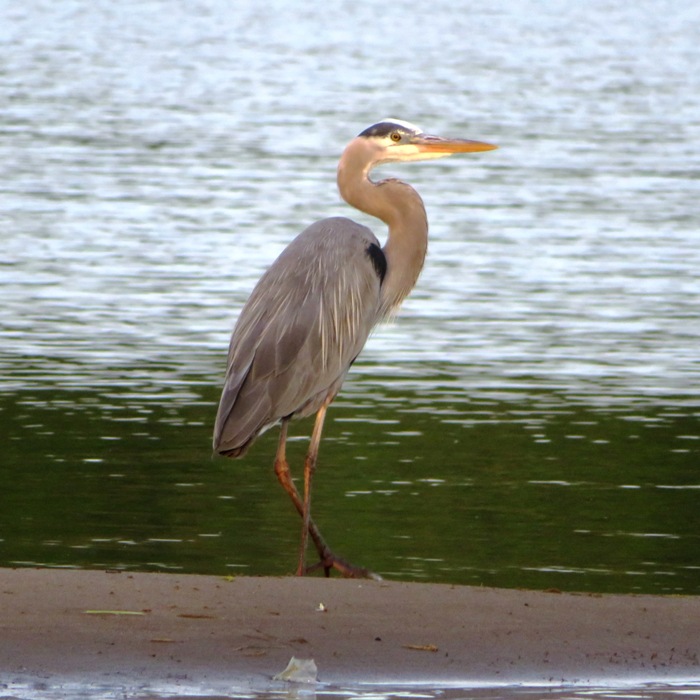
(290, 691)
(527, 490)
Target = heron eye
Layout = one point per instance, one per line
(395, 136)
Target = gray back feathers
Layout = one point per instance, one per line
(305, 322)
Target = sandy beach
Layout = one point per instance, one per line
(154, 630)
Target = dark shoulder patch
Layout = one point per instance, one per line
(376, 255)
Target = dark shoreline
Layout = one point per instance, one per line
(149, 630)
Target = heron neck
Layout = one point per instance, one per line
(401, 208)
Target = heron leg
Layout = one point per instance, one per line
(328, 560)
(309, 470)
(284, 476)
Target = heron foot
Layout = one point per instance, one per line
(330, 561)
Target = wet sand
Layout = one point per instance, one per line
(154, 630)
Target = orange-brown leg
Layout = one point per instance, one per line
(309, 528)
(309, 470)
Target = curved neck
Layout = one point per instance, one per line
(400, 207)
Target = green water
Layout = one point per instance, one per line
(522, 489)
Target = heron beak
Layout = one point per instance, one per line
(440, 146)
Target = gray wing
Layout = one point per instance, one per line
(305, 322)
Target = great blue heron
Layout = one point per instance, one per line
(310, 314)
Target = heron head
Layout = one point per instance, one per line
(395, 140)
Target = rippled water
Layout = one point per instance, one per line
(180, 691)
(530, 419)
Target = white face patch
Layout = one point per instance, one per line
(404, 124)
(409, 146)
